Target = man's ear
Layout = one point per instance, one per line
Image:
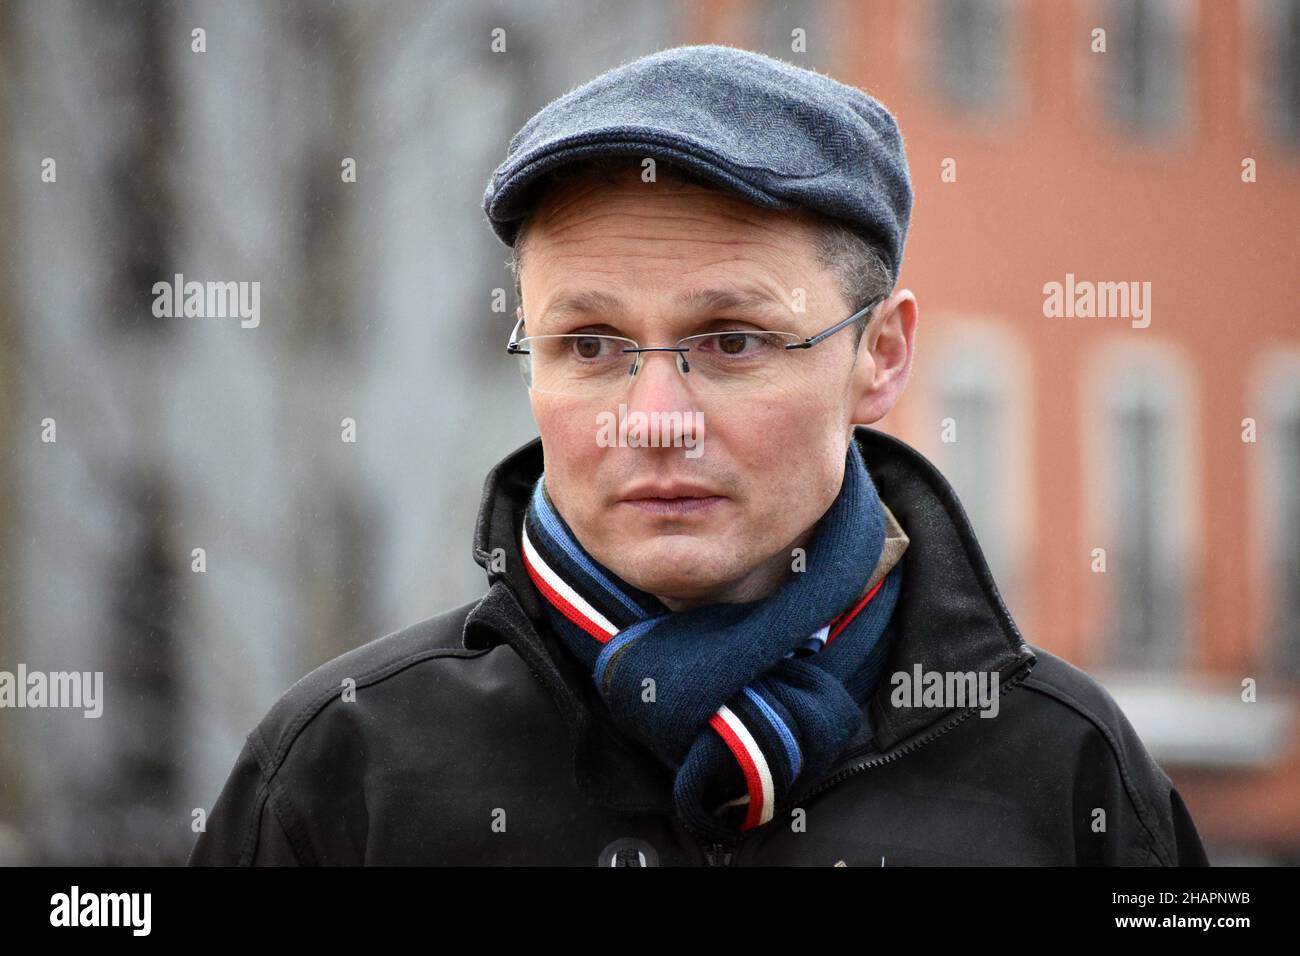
(884, 358)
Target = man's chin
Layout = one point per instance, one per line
(669, 563)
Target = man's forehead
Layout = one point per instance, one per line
(598, 205)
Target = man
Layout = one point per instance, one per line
(727, 622)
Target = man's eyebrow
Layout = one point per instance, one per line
(587, 302)
(595, 302)
(721, 300)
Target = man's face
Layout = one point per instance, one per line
(772, 462)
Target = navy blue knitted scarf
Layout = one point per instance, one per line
(739, 700)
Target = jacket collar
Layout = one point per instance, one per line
(949, 615)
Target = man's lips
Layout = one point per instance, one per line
(675, 507)
(673, 499)
(669, 489)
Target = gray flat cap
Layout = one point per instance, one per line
(778, 135)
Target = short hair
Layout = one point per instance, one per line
(858, 263)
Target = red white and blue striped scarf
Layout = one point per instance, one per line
(740, 700)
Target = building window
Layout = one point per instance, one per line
(1278, 507)
(972, 50)
(983, 450)
(1281, 56)
(1144, 472)
(1145, 65)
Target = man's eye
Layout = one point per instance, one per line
(740, 344)
(735, 343)
(588, 347)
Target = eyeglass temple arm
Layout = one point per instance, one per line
(513, 345)
(814, 339)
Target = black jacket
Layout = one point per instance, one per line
(476, 738)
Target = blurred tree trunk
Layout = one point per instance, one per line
(11, 775)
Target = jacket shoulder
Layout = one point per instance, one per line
(254, 820)
(365, 665)
(1087, 700)
(1110, 749)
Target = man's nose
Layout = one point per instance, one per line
(658, 386)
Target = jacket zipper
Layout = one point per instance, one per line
(726, 853)
(715, 851)
(911, 745)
